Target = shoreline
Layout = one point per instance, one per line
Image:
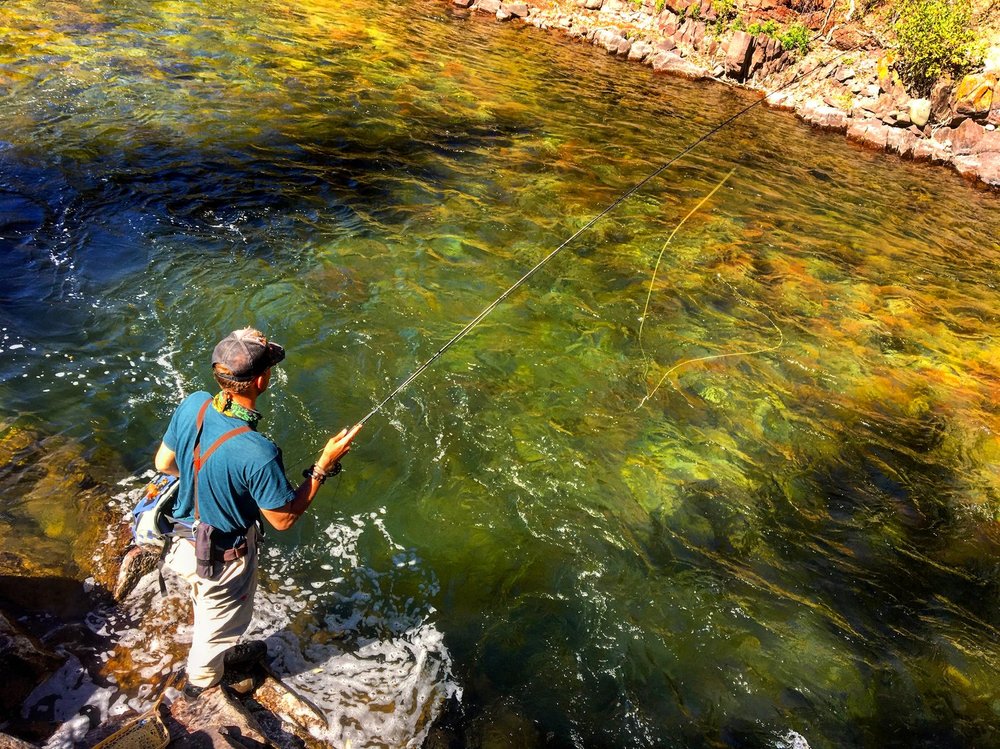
(845, 83)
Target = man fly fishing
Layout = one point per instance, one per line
(231, 476)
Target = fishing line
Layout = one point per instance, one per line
(649, 294)
(656, 266)
(565, 243)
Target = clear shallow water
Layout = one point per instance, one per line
(801, 542)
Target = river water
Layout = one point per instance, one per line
(792, 547)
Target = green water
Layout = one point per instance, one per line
(801, 541)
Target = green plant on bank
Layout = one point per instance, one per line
(725, 10)
(934, 38)
(795, 37)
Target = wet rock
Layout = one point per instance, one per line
(24, 663)
(974, 95)
(901, 142)
(928, 149)
(10, 742)
(462, 3)
(920, 111)
(213, 720)
(870, 133)
(820, 115)
(136, 564)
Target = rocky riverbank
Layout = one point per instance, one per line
(845, 82)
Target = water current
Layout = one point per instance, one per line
(793, 548)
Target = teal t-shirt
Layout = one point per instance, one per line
(244, 474)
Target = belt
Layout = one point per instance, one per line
(231, 555)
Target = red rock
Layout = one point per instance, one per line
(738, 55)
(990, 142)
(901, 141)
(869, 133)
(966, 137)
(488, 6)
(518, 10)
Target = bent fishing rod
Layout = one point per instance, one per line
(569, 240)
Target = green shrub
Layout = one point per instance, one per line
(768, 28)
(795, 36)
(725, 13)
(934, 37)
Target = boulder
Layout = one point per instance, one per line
(739, 52)
(670, 62)
(966, 138)
(518, 10)
(488, 6)
(462, 3)
(593, 4)
(928, 149)
(989, 143)
(640, 51)
(826, 117)
(974, 95)
(989, 169)
(919, 111)
(940, 99)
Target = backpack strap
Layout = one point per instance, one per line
(198, 460)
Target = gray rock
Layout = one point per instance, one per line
(843, 74)
(920, 111)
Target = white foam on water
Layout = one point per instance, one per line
(367, 655)
(791, 740)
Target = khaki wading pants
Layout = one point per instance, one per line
(223, 606)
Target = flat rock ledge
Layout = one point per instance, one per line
(846, 83)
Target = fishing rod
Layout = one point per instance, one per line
(569, 240)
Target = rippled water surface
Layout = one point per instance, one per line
(793, 545)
